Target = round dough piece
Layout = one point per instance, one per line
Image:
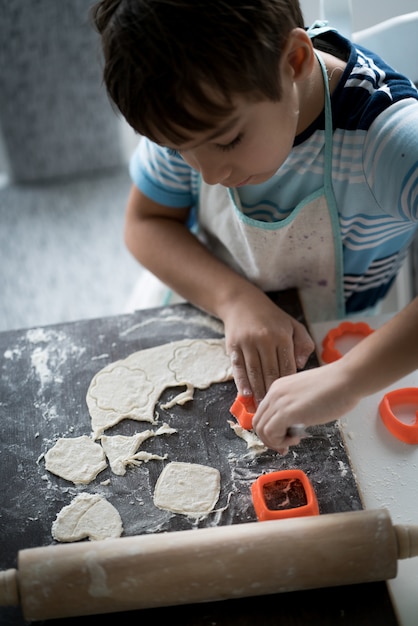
(87, 516)
(77, 459)
(187, 488)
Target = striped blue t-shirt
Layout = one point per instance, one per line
(374, 172)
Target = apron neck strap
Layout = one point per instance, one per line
(328, 122)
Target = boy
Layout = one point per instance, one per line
(291, 153)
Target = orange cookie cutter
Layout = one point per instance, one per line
(408, 433)
(243, 410)
(330, 353)
(288, 492)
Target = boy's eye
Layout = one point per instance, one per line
(232, 144)
(224, 147)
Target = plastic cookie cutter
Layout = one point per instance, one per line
(284, 494)
(243, 409)
(408, 433)
(330, 353)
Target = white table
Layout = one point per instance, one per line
(386, 470)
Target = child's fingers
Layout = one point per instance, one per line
(303, 345)
(239, 373)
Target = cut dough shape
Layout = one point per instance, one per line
(187, 488)
(87, 516)
(77, 459)
(131, 387)
(199, 362)
(121, 451)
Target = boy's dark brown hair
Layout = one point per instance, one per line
(177, 64)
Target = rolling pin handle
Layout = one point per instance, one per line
(407, 538)
(9, 595)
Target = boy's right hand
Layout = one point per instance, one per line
(264, 343)
(315, 396)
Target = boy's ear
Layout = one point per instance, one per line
(299, 54)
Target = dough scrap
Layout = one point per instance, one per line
(187, 488)
(253, 442)
(131, 387)
(77, 459)
(87, 516)
(121, 450)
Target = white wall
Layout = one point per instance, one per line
(365, 13)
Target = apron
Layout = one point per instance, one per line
(303, 251)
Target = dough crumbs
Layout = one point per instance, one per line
(188, 488)
(77, 459)
(87, 516)
(253, 442)
(121, 450)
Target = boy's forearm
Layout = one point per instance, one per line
(386, 355)
(178, 259)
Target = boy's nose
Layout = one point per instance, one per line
(215, 173)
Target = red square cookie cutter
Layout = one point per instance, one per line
(283, 494)
(408, 433)
(330, 353)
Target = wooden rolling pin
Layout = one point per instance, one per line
(207, 564)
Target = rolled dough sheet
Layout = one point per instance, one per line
(87, 516)
(188, 488)
(77, 459)
(131, 387)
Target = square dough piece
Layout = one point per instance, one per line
(187, 488)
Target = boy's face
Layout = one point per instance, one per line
(248, 146)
